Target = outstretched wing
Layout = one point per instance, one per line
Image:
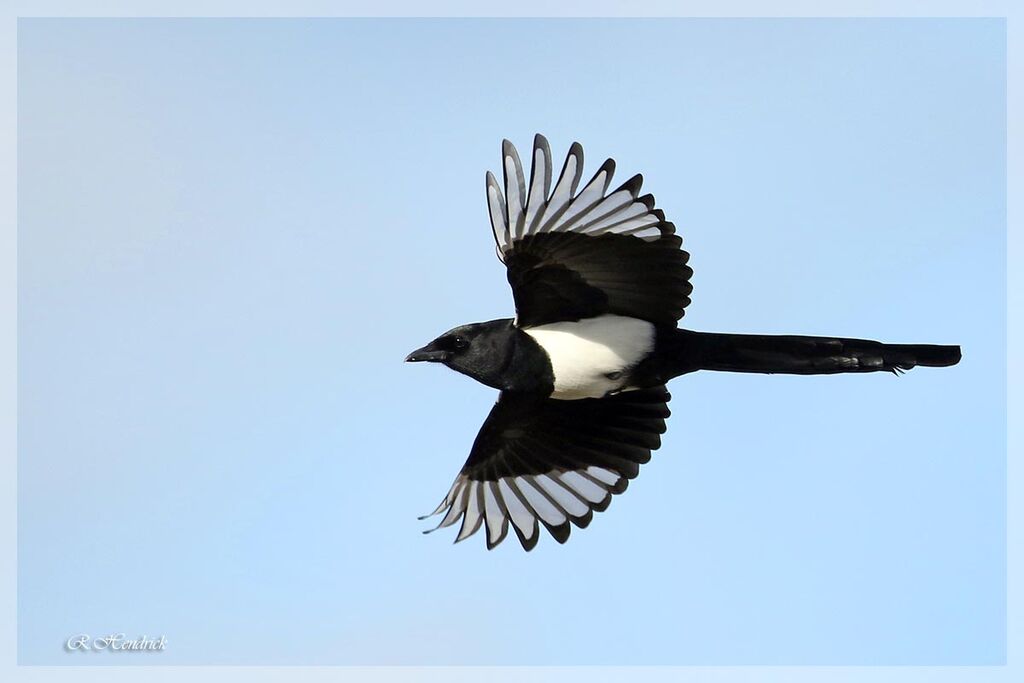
(553, 462)
(578, 255)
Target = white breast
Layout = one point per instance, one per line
(588, 356)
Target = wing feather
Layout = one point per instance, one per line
(574, 255)
(552, 463)
(515, 191)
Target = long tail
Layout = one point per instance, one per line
(686, 351)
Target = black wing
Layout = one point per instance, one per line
(578, 255)
(552, 461)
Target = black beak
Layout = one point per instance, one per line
(429, 353)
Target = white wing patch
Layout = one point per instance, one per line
(553, 498)
(590, 357)
(527, 208)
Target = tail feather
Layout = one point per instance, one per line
(801, 355)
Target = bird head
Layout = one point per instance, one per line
(478, 350)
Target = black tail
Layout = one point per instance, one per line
(683, 351)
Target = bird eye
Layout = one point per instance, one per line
(459, 343)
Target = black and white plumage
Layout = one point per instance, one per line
(579, 255)
(599, 281)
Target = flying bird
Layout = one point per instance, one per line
(600, 281)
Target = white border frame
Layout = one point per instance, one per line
(10, 11)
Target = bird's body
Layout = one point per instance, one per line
(593, 357)
(600, 282)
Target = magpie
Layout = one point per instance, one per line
(599, 280)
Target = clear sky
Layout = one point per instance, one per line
(231, 233)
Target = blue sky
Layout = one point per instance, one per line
(231, 233)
